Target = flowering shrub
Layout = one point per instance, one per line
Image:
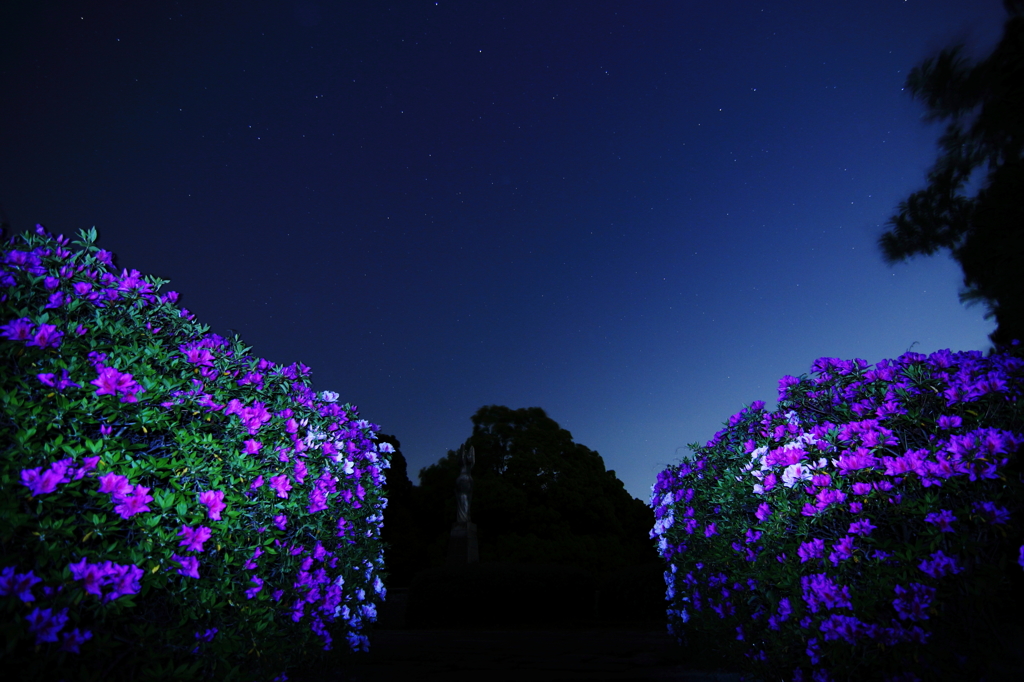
(171, 507)
(861, 530)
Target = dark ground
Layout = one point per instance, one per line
(589, 650)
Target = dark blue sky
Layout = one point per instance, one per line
(635, 215)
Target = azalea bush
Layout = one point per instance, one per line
(170, 507)
(868, 528)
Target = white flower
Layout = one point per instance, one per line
(795, 473)
(329, 396)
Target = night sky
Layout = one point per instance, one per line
(637, 216)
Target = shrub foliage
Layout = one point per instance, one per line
(869, 528)
(171, 506)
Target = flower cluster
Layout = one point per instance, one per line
(178, 456)
(844, 515)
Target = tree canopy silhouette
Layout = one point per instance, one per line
(984, 106)
(539, 497)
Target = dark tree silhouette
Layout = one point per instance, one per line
(404, 544)
(539, 497)
(984, 106)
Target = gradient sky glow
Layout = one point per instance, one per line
(635, 215)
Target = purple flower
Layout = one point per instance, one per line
(861, 458)
(74, 639)
(125, 580)
(819, 590)
(214, 501)
(837, 626)
(763, 511)
(946, 422)
(861, 488)
(784, 608)
(829, 496)
(17, 330)
(194, 537)
(189, 565)
(991, 512)
(913, 602)
(811, 550)
(252, 447)
(18, 584)
(711, 529)
(841, 550)
(257, 482)
(939, 565)
(45, 624)
(943, 519)
(250, 565)
(280, 521)
(207, 636)
(862, 527)
(281, 485)
(46, 336)
(253, 591)
(92, 574)
(61, 384)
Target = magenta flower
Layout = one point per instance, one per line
(116, 485)
(189, 565)
(194, 537)
(256, 483)
(40, 482)
(252, 447)
(281, 485)
(214, 501)
(135, 503)
(112, 382)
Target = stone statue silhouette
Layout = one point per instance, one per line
(464, 484)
